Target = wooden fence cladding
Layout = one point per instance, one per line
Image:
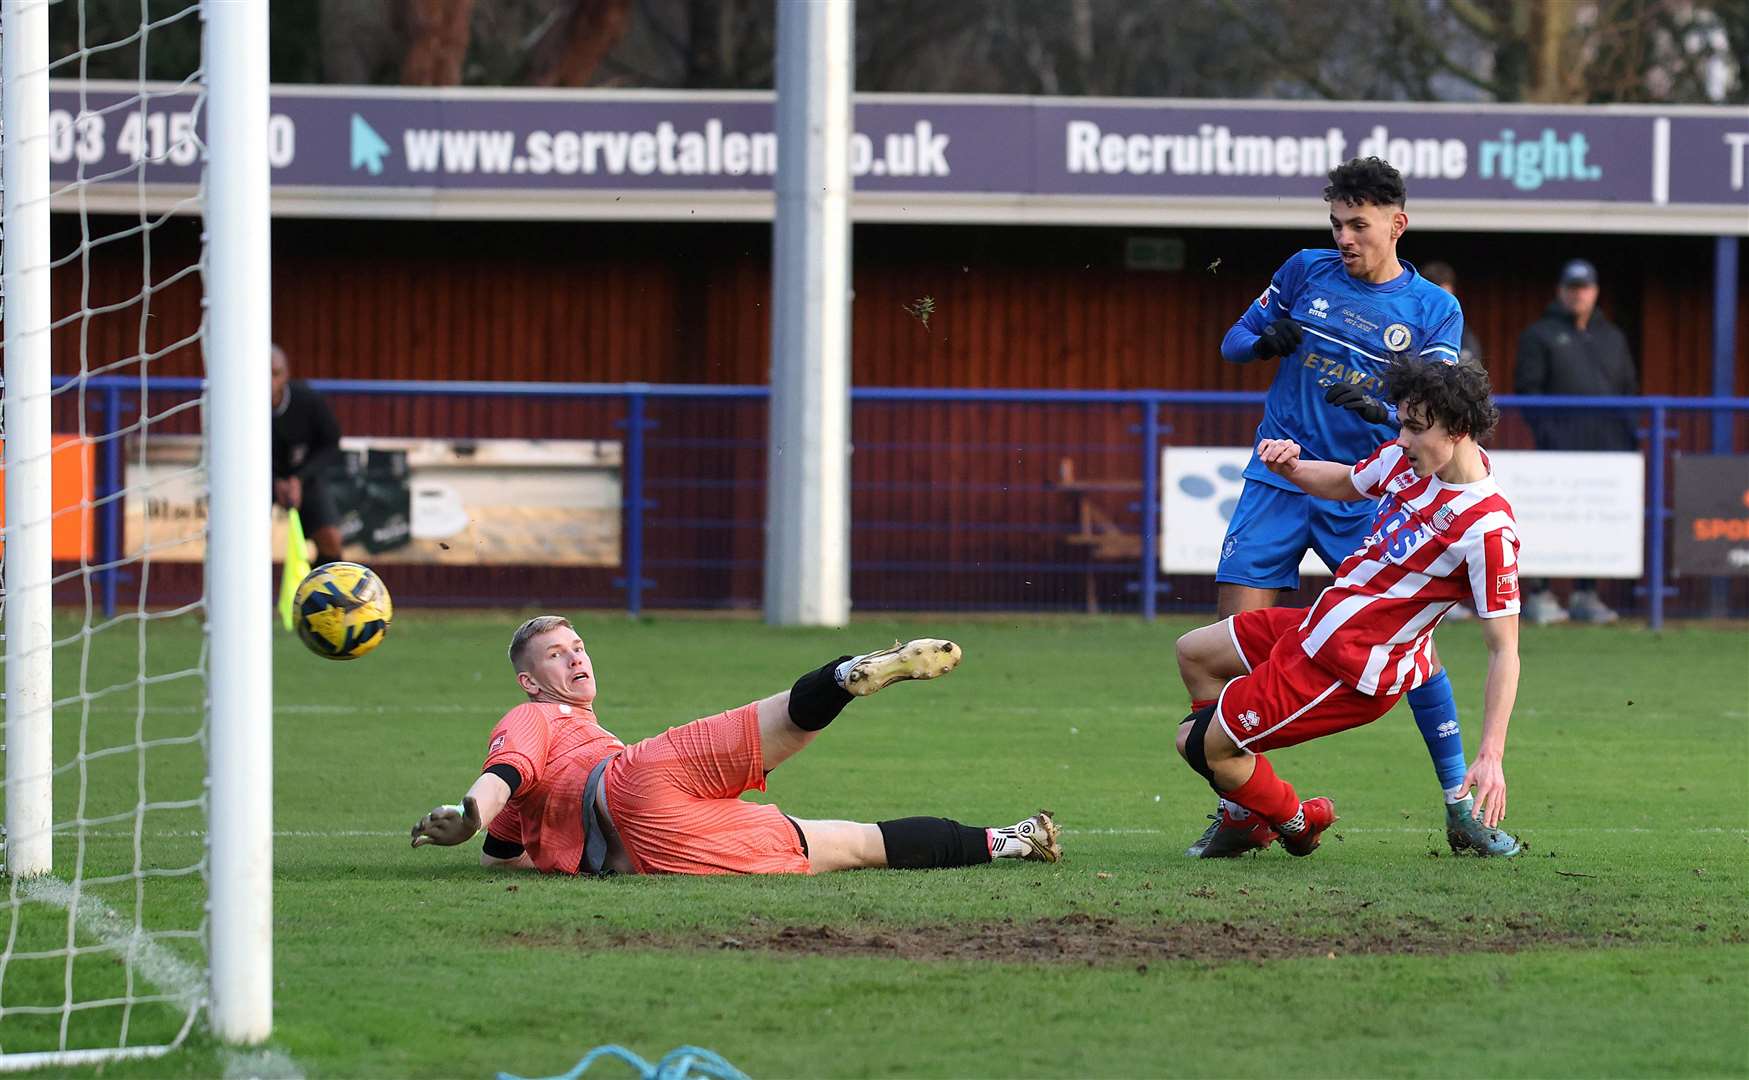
(1039, 308)
(975, 485)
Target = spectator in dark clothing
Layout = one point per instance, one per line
(1574, 351)
(1441, 274)
(306, 445)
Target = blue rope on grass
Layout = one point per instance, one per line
(681, 1063)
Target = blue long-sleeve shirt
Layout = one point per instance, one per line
(1352, 329)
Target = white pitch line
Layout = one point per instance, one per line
(161, 967)
(157, 965)
(260, 1064)
(200, 834)
(286, 710)
(374, 834)
(1431, 828)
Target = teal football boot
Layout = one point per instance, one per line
(1467, 834)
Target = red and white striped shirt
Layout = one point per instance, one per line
(1431, 545)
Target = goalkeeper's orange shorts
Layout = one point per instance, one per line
(675, 801)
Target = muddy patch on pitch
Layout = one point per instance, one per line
(1085, 939)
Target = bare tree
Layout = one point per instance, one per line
(1550, 51)
(1649, 51)
(360, 43)
(576, 38)
(437, 35)
(727, 44)
(1553, 51)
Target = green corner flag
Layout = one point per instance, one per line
(297, 565)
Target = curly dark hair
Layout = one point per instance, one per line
(1366, 180)
(1456, 396)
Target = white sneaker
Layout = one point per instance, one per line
(1542, 609)
(1586, 606)
(920, 658)
(1038, 838)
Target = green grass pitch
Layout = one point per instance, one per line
(1615, 946)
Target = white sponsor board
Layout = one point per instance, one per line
(458, 501)
(1579, 514)
(1199, 489)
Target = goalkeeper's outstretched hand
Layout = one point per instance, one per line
(1279, 338)
(1355, 400)
(448, 825)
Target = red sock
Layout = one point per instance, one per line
(1267, 794)
(1199, 704)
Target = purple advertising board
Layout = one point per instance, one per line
(350, 139)
(1709, 158)
(1217, 150)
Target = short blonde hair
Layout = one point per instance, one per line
(530, 630)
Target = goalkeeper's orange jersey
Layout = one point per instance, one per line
(552, 747)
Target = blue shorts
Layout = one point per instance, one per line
(1272, 528)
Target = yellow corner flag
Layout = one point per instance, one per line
(297, 565)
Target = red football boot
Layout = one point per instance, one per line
(1320, 815)
(1229, 837)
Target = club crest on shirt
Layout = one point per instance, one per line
(1443, 517)
(1249, 720)
(497, 744)
(1397, 337)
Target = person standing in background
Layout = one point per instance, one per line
(1440, 273)
(306, 443)
(1574, 351)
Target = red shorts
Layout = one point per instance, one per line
(1284, 698)
(674, 799)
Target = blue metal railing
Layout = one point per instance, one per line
(114, 393)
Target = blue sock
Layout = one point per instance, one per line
(1436, 715)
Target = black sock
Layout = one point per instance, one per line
(816, 699)
(919, 843)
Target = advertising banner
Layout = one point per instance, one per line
(1579, 514)
(454, 502)
(72, 469)
(1712, 514)
(1199, 490)
(594, 143)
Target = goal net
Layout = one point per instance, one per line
(133, 594)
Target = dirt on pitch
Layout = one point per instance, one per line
(1080, 938)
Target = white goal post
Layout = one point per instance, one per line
(138, 745)
(240, 552)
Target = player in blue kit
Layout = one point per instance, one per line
(1335, 319)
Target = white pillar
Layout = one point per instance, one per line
(240, 556)
(807, 530)
(29, 632)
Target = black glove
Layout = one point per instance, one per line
(1356, 400)
(1280, 338)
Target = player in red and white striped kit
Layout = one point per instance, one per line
(1444, 533)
